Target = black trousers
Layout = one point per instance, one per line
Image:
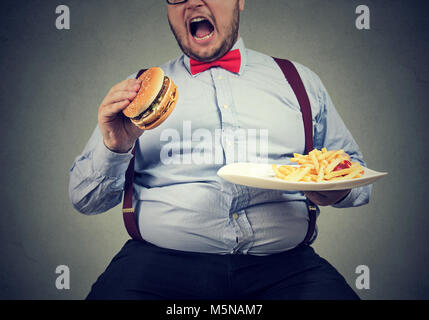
(144, 271)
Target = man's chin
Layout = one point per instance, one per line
(207, 55)
(203, 58)
(202, 55)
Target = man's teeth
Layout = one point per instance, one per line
(205, 37)
(197, 20)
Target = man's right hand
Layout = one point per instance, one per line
(119, 133)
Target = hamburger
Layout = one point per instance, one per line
(155, 100)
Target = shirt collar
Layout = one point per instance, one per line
(239, 44)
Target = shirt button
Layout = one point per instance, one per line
(225, 106)
(219, 78)
(235, 216)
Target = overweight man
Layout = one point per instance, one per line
(203, 237)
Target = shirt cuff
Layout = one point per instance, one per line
(109, 163)
(357, 197)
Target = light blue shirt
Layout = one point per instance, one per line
(180, 201)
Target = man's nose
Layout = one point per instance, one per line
(191, 4)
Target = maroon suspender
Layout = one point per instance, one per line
(127, 207)
(292, 76)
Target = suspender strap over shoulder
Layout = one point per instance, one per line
(292, 76)
(294, 79)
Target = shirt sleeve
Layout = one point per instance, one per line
(331, 132)
(97, 177)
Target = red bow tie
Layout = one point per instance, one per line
(231, 62)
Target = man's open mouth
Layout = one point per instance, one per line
(201, 28)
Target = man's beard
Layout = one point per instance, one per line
(226, 45)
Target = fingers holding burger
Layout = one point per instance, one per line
(119, 134)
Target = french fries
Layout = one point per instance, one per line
(320, 166)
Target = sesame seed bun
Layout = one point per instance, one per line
(152, 80)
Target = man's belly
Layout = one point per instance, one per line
(201, 218)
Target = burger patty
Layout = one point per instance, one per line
(164, 110)
(155, 102)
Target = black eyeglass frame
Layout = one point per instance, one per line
(173, 4)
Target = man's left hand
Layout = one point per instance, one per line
(326, 198)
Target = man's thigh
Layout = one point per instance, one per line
(143, 271)
(303, 275)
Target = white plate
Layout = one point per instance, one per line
(262, 176)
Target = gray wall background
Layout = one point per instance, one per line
(53, 82)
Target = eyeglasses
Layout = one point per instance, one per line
(173, 2)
